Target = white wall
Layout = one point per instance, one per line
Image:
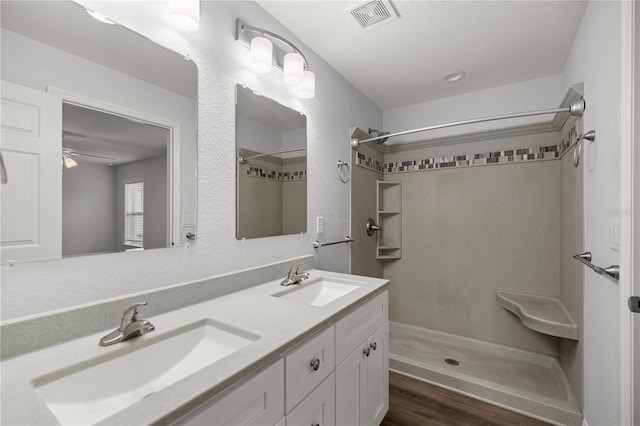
(257, 137)
(35, 287)
(595, 60)
(531, 95)
(88, 209)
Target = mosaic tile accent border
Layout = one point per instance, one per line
(369, 163)
(519, 155)
(275, 175)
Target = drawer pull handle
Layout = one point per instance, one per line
(315, 364)
(316, 424)
(374, 346)
(366, 351)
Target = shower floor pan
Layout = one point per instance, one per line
(528, 383)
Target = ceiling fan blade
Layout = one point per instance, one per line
(68, 151)
(91, 155)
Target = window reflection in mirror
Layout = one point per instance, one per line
(129, 110)
(271, 142)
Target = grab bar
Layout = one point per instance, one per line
(613, 271)
(346, 240)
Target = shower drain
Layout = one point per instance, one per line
(452, 361)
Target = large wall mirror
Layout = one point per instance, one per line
(271, 143)
(115, 161)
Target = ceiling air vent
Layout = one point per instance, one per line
(371, 14)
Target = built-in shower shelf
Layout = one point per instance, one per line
(546, 315)
(389, 216)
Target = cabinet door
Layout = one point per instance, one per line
(378, 376)
(258, 401)
(351, 389)
(318, 409)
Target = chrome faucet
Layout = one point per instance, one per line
(130, 326)
(293, 276)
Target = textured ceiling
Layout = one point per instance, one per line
(402, 62)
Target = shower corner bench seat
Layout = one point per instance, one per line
(547, 315)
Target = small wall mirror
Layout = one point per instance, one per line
(128, 141)
(271, 143)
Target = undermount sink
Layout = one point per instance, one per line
(319, 291)
(95, 393)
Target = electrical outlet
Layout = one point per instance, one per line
(319, 225)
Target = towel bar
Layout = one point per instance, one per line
(613, 271)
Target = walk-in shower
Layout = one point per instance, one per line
(493, 211)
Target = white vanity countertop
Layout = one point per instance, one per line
(280, 323)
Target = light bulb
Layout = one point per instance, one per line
(185, 14)
(261, 55)
(293, 68)
(307, 89)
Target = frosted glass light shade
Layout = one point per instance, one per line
(293, 68)
(185, 14)
(307, 89)
(70, 162)
(261, 55)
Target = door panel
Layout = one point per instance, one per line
(378, 376)
(351, 389)
(31, 150)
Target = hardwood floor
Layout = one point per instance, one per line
(416, 403)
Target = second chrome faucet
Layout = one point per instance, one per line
(294, 276)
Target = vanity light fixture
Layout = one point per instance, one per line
(185, 14)
(307, 89)
(284, 53)
(293, 68)
(69, 162)
(261, 54)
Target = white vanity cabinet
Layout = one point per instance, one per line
(307, 388)
(257, 401)
(362, 378)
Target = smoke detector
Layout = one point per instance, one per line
(371, 14)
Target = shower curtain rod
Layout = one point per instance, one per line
(243, 160)
(576, 108)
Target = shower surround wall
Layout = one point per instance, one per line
(363, 207)
(469, 232)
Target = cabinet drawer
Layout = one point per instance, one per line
(357, 326)
(318, 408)
(301, 377)
(258, 401)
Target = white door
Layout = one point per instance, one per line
(31, 150)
